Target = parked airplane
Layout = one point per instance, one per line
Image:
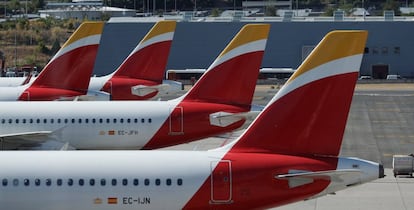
(67, 74)
(13, 81)
(288, 154)
(218, 103)
(140, 76)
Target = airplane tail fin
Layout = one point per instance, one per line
(232, 77)
(308, 115)
(148, 60)
(72, 65)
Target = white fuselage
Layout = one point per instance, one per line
(12, 81)
(84, 125)
(144, 179)
(80, 180)
(12, 93)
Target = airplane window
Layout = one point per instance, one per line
(45, 121)
(135, 120)
(103, 182)
(136, 182)
(108, 120)
(26, 182)
(100, 120)
(179, 182)
(157, 182)
(142, 120)
(113, 182)
(48, 182)
(37, 182)
(92, 182)
(86, 120)
(121, 120)
(114, 120)
(168, 182)
(70, 182)
(125, 182)
(146, 182)
(128, 120)
(15, 182)
(81, 182)
(52, 121)
(149, 120)
(4, 182)
(93, 120)
(17, 121)
(66, 120)
(59, 120)
(59, 182)
(3, 121)
(24, 121)
(10, 121)
(73, 120)
(31, 121)
(80, 121)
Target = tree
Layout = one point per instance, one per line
(392, 5)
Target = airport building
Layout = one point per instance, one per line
(198, 41)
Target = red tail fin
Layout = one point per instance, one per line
(72, 66)
(149, 59)
(308, 115)
(239, 62)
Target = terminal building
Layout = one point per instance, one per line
(198, 41)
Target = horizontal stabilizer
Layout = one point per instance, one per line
(299, 178)
(142, 90)
(224, 119)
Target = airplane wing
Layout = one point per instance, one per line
(24, 139)
(299, 178)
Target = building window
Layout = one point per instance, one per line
(397, 50)
(384, 50)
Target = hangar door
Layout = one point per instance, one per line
(379, 71)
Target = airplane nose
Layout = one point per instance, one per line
(381, 171)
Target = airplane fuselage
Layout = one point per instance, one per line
(118, 124)
(156, 179)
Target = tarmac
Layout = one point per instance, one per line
(380, 124)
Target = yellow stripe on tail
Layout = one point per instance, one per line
(85, 29)
(335, 45)
(159, 28)
(253, 33)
